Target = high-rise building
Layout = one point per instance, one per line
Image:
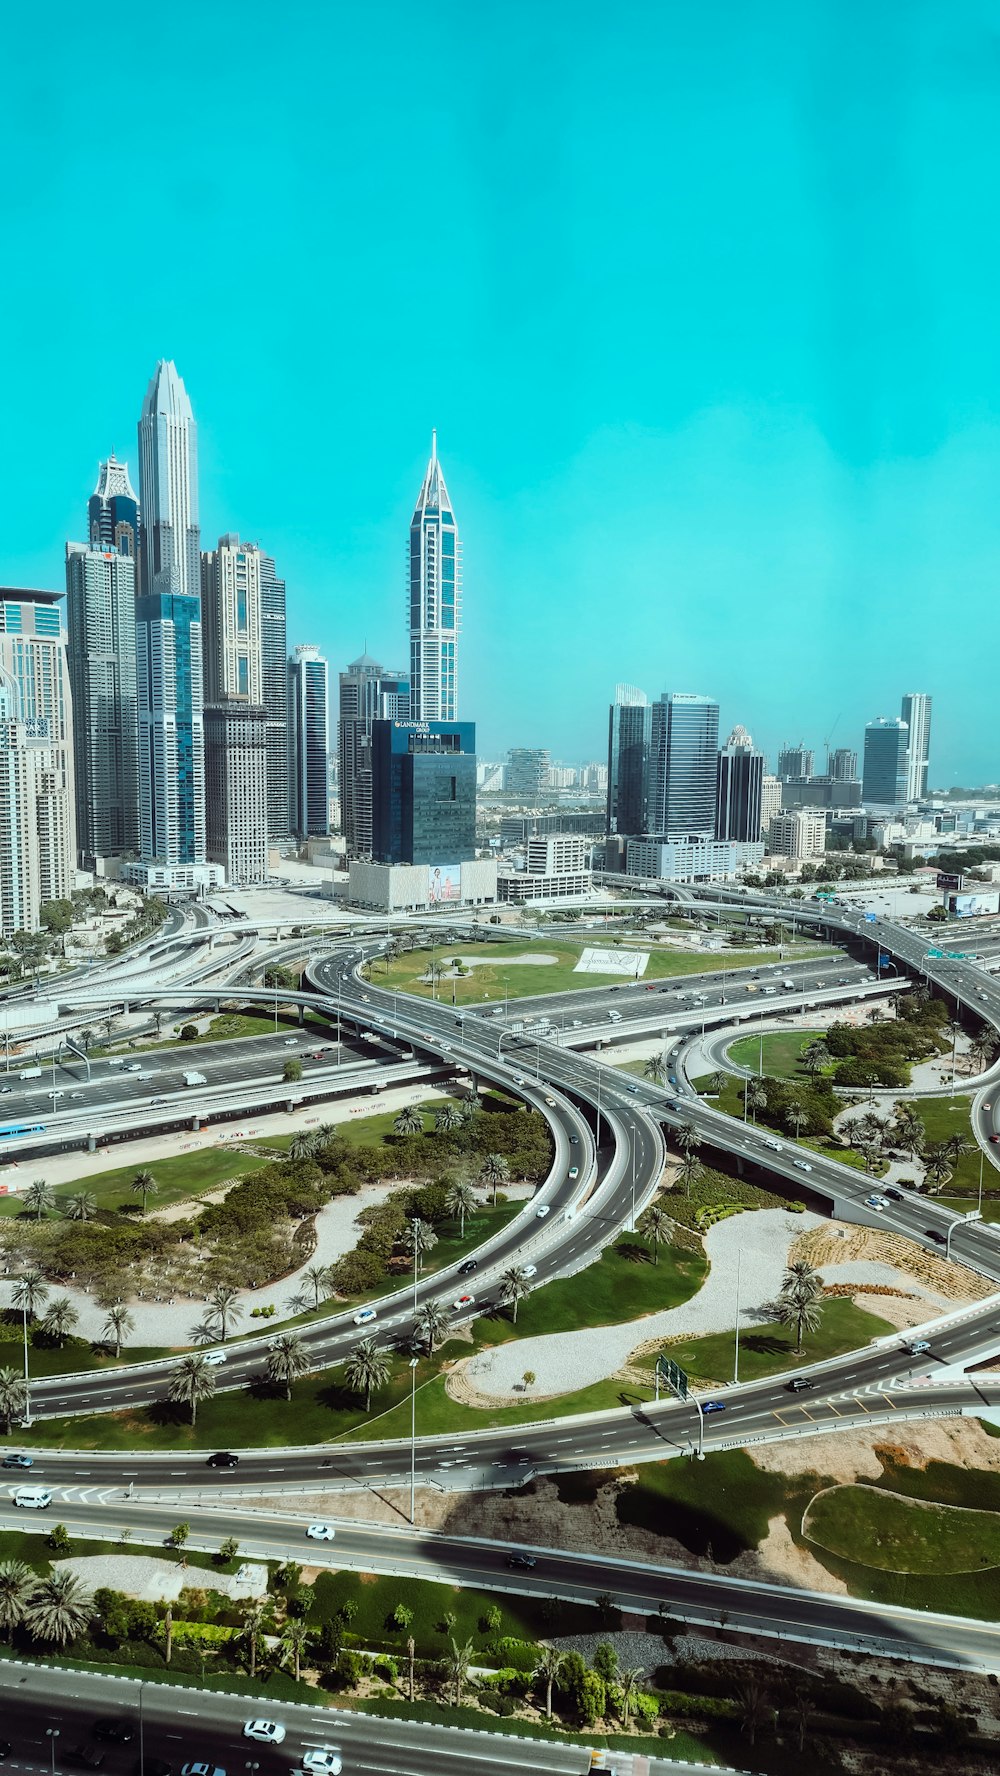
(274, 695)
(368, 693)
(526, 778)
(113, 511)
(169, 642)
(231, 622)
(798, 833)
(842, 765)
(740, 781)
(435, 591)
(770, 801)
(796, 761)
(100, 603)
(683, 766)
(309, 744)
(916, 712)
(37, 826)
(629, 724)
(886, 764)
(424, 793)
(236, 790)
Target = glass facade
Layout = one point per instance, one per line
(423, 792)
(684, 747)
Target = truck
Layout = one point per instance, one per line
(30, 1073)
(193, 1078)
(788, 985)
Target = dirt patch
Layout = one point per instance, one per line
(837, 1242)
(459, 1386)
(901, 1311)
(863, 1455)
(785, 1563)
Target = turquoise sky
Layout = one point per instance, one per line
(702, 298)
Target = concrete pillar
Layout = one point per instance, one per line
(302, 1015)
(91, 1143)
(195, 1124)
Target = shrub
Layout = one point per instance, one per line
(188, 1032)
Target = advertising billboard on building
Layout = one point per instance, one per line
(444, 884)
(947, 880)
(969, 906)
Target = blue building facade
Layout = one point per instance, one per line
(423, 792)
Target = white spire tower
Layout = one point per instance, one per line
(435, 599)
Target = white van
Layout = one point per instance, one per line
(33, 1498)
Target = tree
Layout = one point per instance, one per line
(687, 1138)
(690, 1170)
(815, 1056)
(30, 1292)
(368, 1370)
(548, 1671)
(937, 1163)
(303, 1144)
(457, 1664)
(447, 1118)
(655, 1227)
(798, 1304)
(291, 1072)
(408, 1122)
(13, 1397)
(318, 1278)
(192, 1381)
(252, 1632)
(657, 1068)
(796, 1119)
(39, 1198)
(16, 1582)
(292, 1645)
(629, 1687)
(716, 1081)
(287, 1359)
(411, 1654)
(224, 1308)
(228, 1550)
(189, 1032)
(58, 1539)
(59, 1319)
(751, 1699)
(493, 1172)
(144, 1185)
(81, 1207)
(418, 1238)
(513, 1285)
(59, 1608)
(431, 1321)
(908, 1130)
(179, 1534)
(461, 1201)
(755, 1098)
(117, 1326)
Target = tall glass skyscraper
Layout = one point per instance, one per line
(628, 761)
(741, 781)
(435, 599)
(113, 510)
(367, 694)
(274, 695)
(100, 600)
(37, 828)
(916, 712)
(885, 766)
(309, 741)
(683, 766)
(168, 638)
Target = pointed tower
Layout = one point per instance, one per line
(435, 599)
(113, 510)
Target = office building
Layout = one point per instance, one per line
(37, 826)
(435, 592)
(169, 644)
(368, 693)
(886, 764)
(683, 766)
(274, 695)
(690, 860)
(796, 761)
(799, 833)
(236, 790)
(915, 711)
(842, 765)
(424, 796)
(629, 727)
(555, 868)
(740, 782)
(232, 650)
(770, 801)
(308, 742)
(517, 829)
(113, 510)
(527, 775)
(100, 610)
(821, 792)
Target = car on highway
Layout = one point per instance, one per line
(467, 1268)
(463, 1302)
(17, 1461)
(714, 1406)
(574, 1140)
(918, 1348)
(115, 1729)
(529, 1270)
(321, 1532)
(896, 1195)
(550, 1102)
(215, 1359)
(574, 1172)
(322, 1760)
(799, 1384)
(876, 1202)
(6, 1090)
(365, 1316)
(265, 1732)
(541, 1213)
(133, 1066)
(995, 1139)
(802, 1165)
(526, 1561)
(32, 1498)
(290, 1042)
(223, 1459)
(932, 1233)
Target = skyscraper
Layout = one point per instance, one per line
(100, 601)
(885, 767)
(424, 793)
(113, 510)
(628, 760)
(236, 790)
(37, 827)
(435, 599)
(683, 766)
(367, 694)
(526, 777)
(231, 621)
(740, 789)
(796, 761)
(169, 641)
(308, 736)
(916, 712)
(842, 765)
(274, 689)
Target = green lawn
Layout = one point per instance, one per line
(782, 1053)
(374, 1598)
(896, 1534)
(767, 1350)
(186, 1175)
(947, 1116)
(506, 971)
(722, 1505)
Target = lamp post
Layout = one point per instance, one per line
(413, 1438)
(27, 1379)
(982, 1156)
(736, 1360)
(142, 1743)
(52, 1734)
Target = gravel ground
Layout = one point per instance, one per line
(143, 1576)
(644, 1652)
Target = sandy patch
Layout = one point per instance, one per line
(854, 1455)
(162, 1581)
(901, 1311)
(785, 1563)
(837, 1243)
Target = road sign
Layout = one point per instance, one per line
(957, 955)
(937, 954)
(673, 1375)
(884, 961)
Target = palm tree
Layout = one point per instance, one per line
(30, 1292)
(937, 1163)
(447, 1118)
(292, 1645)
(629, 1684)
(752, 1700)
(418, 1238)
(430, 1323)
(81, 1207)
(457, 1663)
(411, 1654)
(513, 1285)
(60, 1318)
(16, 1582)
(548, 1671)
(117, 1326)
(224, 1308)
(319, 1279)
(192, 1381)
(815, 1056)
(908, 1129)
(755, 1097)
(368, 1370)
(303, 1145)
(657, 1068)
(493, 1172)
(408, 1122)
(460, 1201)
(798, 1305)
(287, 1359)
(13, 1397)
(716, 1081)
(687, 1138)
(252, 1632)
(957, 1147)
(39, 1198)
(655, 1226)
(144, 1185)
(59, 1608)
(326, 1135)
(796, 1119)
(691, 1169)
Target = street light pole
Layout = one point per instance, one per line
(736, 1361)
(982, 1156)
(413, 1438)
(52, 1734)
(701, 1427)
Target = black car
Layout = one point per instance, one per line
(224, 1459)
(897, 1195)
(932, 1234)
(798, 1384)
(468, 1267)
(85, 1757)
(118, 1731)
(527, 1561)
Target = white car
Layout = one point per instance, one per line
(215, 1358)
(529, 1270)
(290, 1042)
(876, 1202)
(323, 1761)
(264, 1731)
(542, 1212)
(320, 1532)
(365, 1316)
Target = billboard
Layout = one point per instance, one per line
(444, 884)
(969, 906)
(945, 880)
